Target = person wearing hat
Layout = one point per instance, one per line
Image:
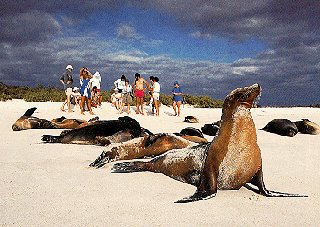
(177, 98)
(67, 80)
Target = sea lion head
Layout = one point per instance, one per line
(242, 97)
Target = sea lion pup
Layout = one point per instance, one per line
(191, 119)
(90, 133)
(28, 122)
(283, 127)
(233, 158)
(64, 123)
(211, 129)
(307, 127)
(146, 146)
(192, 134)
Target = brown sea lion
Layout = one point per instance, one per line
(232, 160)
(65, 123)
(27, 121)
(307, 127)
(146, 146)
(283, 127)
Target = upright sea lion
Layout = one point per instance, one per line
(91, 133)
(307, 127)
(283, 127)
(232, 160)
(28, 122)
(146, 146)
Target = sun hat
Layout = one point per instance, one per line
(69, 67)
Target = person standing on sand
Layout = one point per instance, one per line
(67, 80)
(156, 93)
(177, 98)
(127, 99)
(85, 89)
(139, 92)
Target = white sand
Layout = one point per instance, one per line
(52, 185)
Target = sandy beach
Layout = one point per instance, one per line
(52, 185)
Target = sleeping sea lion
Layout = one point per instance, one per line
(232, 160)
(283, 127)
(211, 129)
(91, 133)
(146, 146)
(307, 127)
(191, 119)
(65, 123)
(28, 122)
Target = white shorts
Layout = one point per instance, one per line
(156, 96)
(68, 91)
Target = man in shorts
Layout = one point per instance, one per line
(139, 92)
(67, 80)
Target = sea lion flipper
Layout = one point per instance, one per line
(29, 112)
(196, 197)
(257, 180)
(206, 189)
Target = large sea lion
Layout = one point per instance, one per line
(232, 160)
(307, 127)
(146, 146)
(27, 121)
(283, 127)
(91, 134)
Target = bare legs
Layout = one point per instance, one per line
(88, 101)
(176, 105)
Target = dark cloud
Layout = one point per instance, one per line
(35, 50)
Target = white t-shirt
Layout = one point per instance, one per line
(119, 84)
(156, 87)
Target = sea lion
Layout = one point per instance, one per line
(65, 123)
(211, 129)
(26, 121)
(183, 164)
(283, 127)
(91, 133)
(146, 146)
(232, 160)
(191, 119)
(191, 132)
(307, 127)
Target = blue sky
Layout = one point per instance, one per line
(212, 47)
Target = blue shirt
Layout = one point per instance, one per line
(177, 98)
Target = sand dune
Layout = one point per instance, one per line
(52, 185)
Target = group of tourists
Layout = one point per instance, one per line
(89, 95)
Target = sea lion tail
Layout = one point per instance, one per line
(51, 139)
(129, 167)
(29, 112)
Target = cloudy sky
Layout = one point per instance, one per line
(211, 47)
